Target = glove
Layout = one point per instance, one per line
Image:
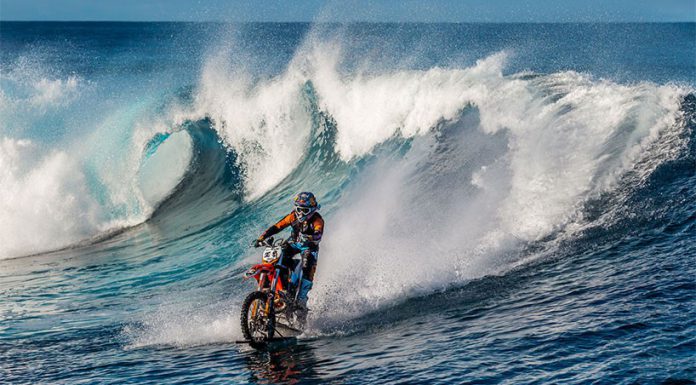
(305, 258)
(305, 238)
(257, 243)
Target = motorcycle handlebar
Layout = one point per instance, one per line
(266, 242)
(269, 243)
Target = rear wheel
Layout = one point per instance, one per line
(258, 317)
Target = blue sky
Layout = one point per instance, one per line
(355, 10)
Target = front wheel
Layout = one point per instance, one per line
(258, 317)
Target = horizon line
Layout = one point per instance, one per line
(355, 22)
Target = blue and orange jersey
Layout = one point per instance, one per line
(312, 229)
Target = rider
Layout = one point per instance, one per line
(307, 228)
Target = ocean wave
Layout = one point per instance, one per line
(552, 142)
(468, 166)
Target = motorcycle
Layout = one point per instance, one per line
(272, 309)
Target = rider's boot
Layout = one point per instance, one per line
(305, 287)
(302, 296)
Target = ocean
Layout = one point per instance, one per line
(504, 203)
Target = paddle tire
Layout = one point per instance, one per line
(258, 319)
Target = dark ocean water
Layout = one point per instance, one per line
(504, 203)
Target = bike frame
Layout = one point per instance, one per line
(264, 271)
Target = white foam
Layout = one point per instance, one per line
(569, 138)
(265, 122)
(188, 327)
(371, 109)
(53, 91)
(43, 200)
(34, 90)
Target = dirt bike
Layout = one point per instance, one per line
(273, 310)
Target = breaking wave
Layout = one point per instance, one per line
(429, 177)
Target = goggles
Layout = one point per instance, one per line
(303, 210)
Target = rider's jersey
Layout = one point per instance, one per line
(309, 231)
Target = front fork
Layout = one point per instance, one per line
(262, 281)
(271, 292)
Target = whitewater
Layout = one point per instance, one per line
(503, 202)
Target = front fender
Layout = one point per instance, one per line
(256, 270)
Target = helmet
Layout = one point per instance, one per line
(305, 205)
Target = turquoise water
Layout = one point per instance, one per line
(505, 203)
